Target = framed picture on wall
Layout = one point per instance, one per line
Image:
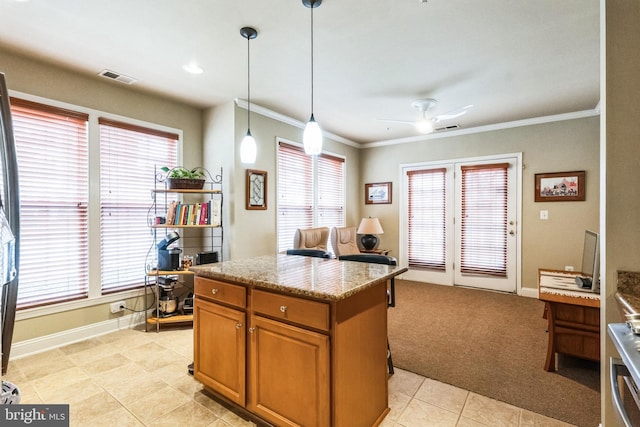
(256, 190)
(560, 187)
(377, 193)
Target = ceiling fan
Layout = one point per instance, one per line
(425, 123)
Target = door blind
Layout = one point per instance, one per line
(484, 220)
(427, 218)
(330, 184)
(129, 157)
(52, 151)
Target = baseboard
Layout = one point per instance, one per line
(529, 292)
(26, 348)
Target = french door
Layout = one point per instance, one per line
(461, 222)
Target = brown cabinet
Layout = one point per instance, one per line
(289, 365)
(299, 361)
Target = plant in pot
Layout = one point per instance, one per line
(182, 178)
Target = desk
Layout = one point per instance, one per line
(573, 322)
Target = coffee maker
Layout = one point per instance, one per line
(169, 258)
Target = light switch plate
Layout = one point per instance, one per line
(544, 214)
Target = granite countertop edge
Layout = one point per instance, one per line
(294, 290)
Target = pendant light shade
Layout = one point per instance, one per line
(248, 147)
(312, 137)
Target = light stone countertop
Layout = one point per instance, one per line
(325, 279)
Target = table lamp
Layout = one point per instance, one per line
(368, 227)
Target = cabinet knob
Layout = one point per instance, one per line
(283, 308)
(214, 291)
(252, 330)
(238, 325)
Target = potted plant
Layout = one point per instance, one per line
(183, 178)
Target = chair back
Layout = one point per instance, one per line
(311, 238)
(309, 252)
(343, 241)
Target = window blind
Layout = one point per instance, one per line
(129, 156)
(331, 194)
(295, 193)
(427, 219)
(52, 151)
(484, 220)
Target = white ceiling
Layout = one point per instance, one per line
(511, 59)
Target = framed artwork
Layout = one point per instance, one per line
(560, 187)
(377, 193)
(256, 190)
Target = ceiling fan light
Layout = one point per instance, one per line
(312, 137)
(424, 126)
(248, 149)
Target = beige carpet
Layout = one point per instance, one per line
(493, 344)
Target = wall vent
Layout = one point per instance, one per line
(448, 127)
(116, 76)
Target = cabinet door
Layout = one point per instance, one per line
(289, 371)
(219, 349)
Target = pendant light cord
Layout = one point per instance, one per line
(248, 84)
(312, 2)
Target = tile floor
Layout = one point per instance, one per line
(133, 378)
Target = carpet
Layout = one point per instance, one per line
(493, 344)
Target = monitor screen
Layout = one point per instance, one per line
(591, 257)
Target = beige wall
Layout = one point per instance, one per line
(551, 147)
(253, 232)
(621, 161)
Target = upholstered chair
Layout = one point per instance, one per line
(343, 241)
(311, 238)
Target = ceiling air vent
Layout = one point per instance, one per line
(448, 127)
(116, 76)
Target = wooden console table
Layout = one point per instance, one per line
(573, 322)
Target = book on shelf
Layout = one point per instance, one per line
(207, 213)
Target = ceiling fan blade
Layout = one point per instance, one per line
(406, 122)
(453, 113)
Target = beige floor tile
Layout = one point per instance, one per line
(136, 378)
(490, 412)
(422, 414)
(442, 395)
(42, 364)
(531, 419)
(190, 414)
(405, 382)
(154, 404)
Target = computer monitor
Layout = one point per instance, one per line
(590, 277)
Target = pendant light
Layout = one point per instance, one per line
(248, 149)
(312, 137)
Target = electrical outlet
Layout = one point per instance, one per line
(544, 215)
(568, 267)
(117, 307)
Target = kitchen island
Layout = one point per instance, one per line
(292, 340)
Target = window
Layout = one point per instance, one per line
(484, 220)
(52, 151)
(129, 156)
(310, 192)
(427, 218)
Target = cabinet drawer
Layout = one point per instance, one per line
(304, 312)
(223, 292)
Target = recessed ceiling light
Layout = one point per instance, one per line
(192, 68)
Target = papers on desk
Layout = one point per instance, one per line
(564, 283)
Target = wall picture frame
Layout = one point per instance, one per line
(256, 190)
(560, 187)
(378, 193)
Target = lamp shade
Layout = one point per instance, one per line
(370, 226)
(312, 137)
(248, 149)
